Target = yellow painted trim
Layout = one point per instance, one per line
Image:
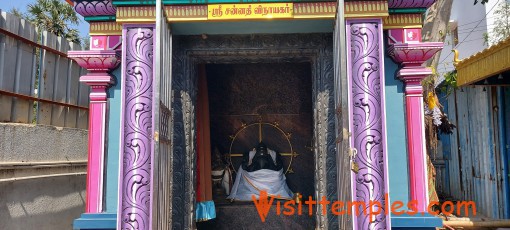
(185, 19)
(182, 13)
(250, 11)
(313, 16)
(403, 21)
(315, 10)
(105, 28)
(364, 9)
(136, 14)
(371, 15)
(137, 20)
(484, 64)
(309, 10)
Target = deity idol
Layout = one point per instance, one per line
(261, 170)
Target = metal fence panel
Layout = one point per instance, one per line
(15, 57)
(58, 81)
(72, 90)
(58, 114)
(454, 166)
(83, 100)
(475, 166)
(47, 78)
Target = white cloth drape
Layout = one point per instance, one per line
(248, 184)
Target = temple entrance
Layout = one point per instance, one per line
(252, 103)
(286, 80)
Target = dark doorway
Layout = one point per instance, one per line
(313, 50)
(275, 93)
(270, 92)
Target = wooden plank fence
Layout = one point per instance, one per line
(38, 82)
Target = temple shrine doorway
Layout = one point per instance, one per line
(295, 73)
(250, 103)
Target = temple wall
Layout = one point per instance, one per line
(397, 152)
(42, 176)
(113, 140)
(396, 133)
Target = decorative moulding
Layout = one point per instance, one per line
(97, 79)
(410, 3)
(357, 9)
(96, 60)
(413, 74)
(136, 14)
(105, 28)
(94, 7)
(414, 54)
(403, 21)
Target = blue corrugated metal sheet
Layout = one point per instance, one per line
(475, 165)
(441, 159)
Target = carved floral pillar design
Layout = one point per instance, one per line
(98, 63)
(136, 174)
(411, 57)
(367, 121)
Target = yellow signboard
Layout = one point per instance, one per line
(249, 11)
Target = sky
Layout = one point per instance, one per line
(7, 5)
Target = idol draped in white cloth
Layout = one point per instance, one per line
(248, 184)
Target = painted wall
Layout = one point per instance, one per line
(42, 203)
(396, 131)
(113, 143)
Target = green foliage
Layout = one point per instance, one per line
(501, 28)
(486, 39)
(449, 83)
(54, 16)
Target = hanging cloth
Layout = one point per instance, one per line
(205, 209)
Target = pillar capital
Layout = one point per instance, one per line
(413, 54)
(96, 61)
(411, 57)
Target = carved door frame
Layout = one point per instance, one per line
(189, 51)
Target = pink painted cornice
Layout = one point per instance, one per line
(413, 54)
(410, 3)
(94, 7)
(96, 60)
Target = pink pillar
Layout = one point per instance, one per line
(98, 63)
(416, 146)
(411, 56)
